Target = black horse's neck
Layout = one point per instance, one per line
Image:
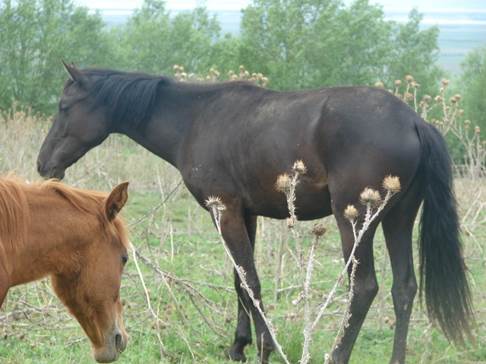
(176, 108)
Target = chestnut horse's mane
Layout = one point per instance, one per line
(14, 212)
(14, 209)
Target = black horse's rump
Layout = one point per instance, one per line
(234, 139)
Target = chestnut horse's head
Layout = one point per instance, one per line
(79, 125)
(91, 290)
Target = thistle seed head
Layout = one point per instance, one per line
(392, 184)
(445, 82)
(370, 196)
(398, 83)
(379, 84)
(299, 167)
(408, 96)
(351, 213)
(215, 202)
(477, 130)
(318, 230)
(283, 182)
(409, 78)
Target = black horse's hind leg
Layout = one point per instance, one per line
(398, 227)
(235, 234)
(243, 327)
(365, 287)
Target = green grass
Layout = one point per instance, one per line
(197, 257)
(178, 237)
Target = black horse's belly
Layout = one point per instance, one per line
(311, 203)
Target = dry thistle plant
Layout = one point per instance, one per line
(214, 75)
(445, 112)
(287, 183)
(374, 205)
(216, 208)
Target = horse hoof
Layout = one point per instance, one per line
(265, 355)
(235, 355)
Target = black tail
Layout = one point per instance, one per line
(442, 268)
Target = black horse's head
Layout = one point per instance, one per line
(79, 125)
(94, 103)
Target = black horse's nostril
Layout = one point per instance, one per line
(118, 341)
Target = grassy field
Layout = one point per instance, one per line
(189, 278)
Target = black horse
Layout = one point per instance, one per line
(233, 139)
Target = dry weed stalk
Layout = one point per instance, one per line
(158, 321)
(318, 231)
(216, 207)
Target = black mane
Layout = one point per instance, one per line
(127, 97)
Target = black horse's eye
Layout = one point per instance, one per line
(64, 104)
(124, 259)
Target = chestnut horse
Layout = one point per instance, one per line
(233, 139)
(75, 237)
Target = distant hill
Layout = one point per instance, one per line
(460, 32)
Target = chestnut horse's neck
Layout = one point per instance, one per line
(46, 227)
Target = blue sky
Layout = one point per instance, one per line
(451, 6)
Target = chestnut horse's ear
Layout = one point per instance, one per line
(116, 200)
(74, 74)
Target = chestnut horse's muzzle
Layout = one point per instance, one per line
(116, 344)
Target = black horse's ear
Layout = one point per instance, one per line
(74, 74)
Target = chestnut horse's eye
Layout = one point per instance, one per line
(124, 259)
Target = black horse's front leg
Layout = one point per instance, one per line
(237, 238)
(243, 327)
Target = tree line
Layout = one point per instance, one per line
(297, 44)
